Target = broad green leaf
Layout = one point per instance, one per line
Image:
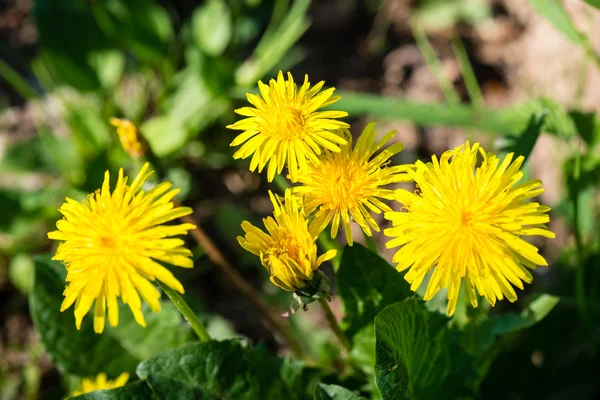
(366, 284)
(142, 26)
(81, 352)
(523, 144)
(485, 340)
(226, 370)
(64, 53)
(212, 26)
(417, 354)
(556, 14)
(109, 65)
(164, 330)
(21, 271)
(164, 135)
(478, 337)
(137, 390)
(90, 129)
(588, 126)
(363, 349)
(61, 155)
(116, 350)
(362, 356)
(334, 392)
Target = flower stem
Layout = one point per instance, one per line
(333, 324)
(187, 312)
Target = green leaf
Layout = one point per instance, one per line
(67, 57)
(478, 337)
(593, 3)
(278, 39)
(366, 284)
(486, 339)
(555, 12)
(142, 26)
(21, 271)
(445, 14)
(417, 354)
(85, 353)
(17, 82)
(136, 390)
(510, 120)
(212, 27)
(226, 370)
(334, 392)
(588, 126)
(523, 144)
(81, 352)
(164, 135)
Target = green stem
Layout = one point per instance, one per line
(467, 73)
(434, 64)
(580, 272)
(187, 312)
(333, 324)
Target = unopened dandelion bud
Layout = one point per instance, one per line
(131, 140)
(287, 250)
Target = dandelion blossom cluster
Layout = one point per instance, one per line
(101, 382)
(287, 250)
(286, 128)
(112, 244)
(352, 183)
(465, 222)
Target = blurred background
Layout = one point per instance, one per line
(512, 74)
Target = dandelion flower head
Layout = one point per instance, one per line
(287, 250)
(100, 383)
(352, 183)
(129, 137)
(465, 222)
(285, 126)
(112, 244)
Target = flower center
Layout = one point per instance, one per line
(347, 183)
(286, 245)
(466, 218)
(109, 242)
(289, 123)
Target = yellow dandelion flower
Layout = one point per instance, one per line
(288, 251)
(465, 222)
(111, 245)
(130, 139)
(285, 128)
(351, 183)
(100, 383)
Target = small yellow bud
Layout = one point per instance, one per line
(131, 140)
